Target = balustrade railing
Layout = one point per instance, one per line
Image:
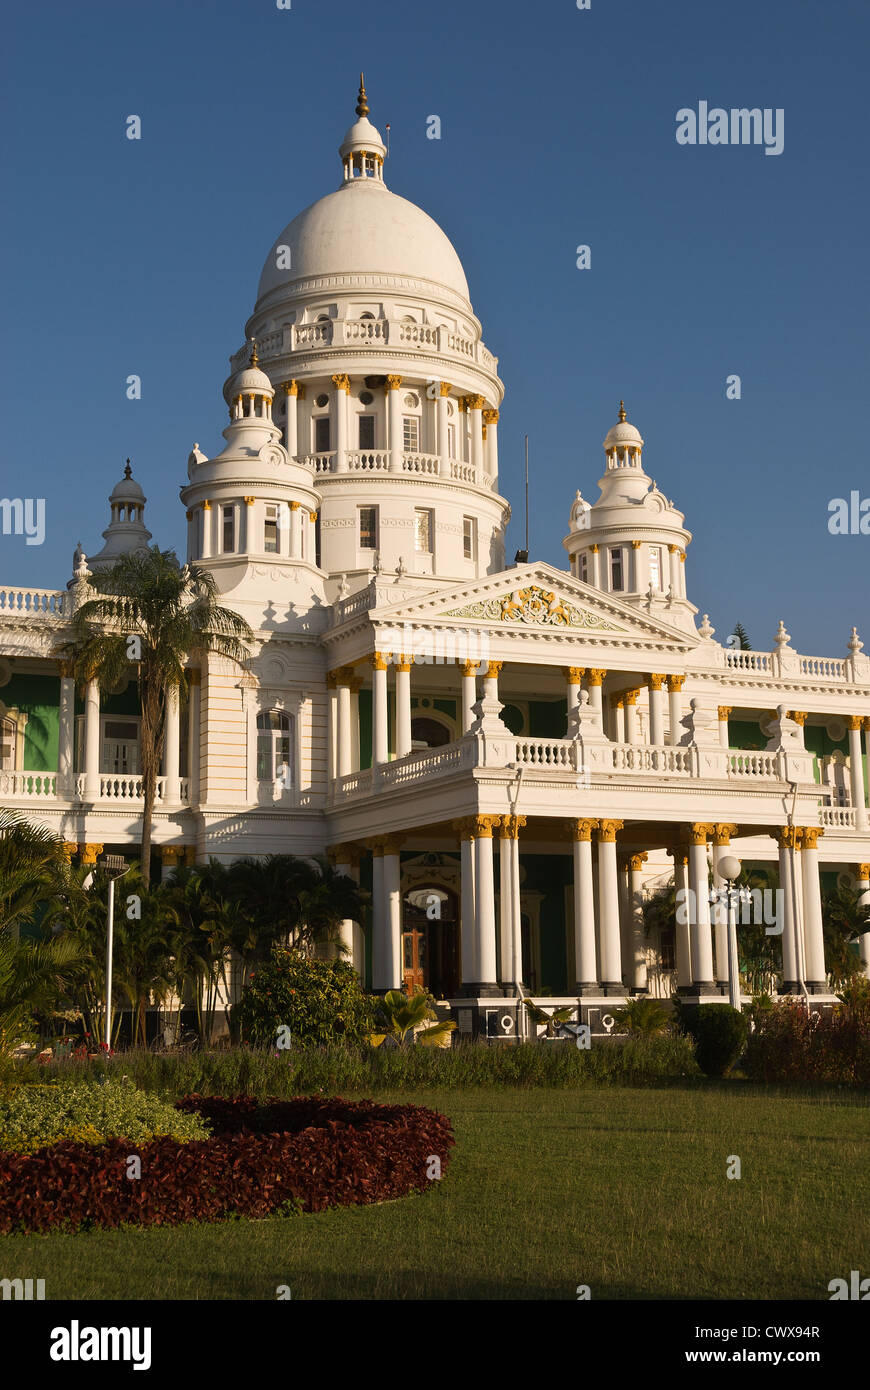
(838, 817)
(28, 784)
(34, 603)
(368, 461)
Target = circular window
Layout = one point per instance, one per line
(412, 401)
(321, 401)
(366, 397)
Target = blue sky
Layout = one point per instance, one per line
(558, 129)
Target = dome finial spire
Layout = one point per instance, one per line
(621, 410)
(362, 105)
(128, 472)
(254, 360)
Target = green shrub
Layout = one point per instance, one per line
(719, 1033)
(319, 1001)
(35, 1117)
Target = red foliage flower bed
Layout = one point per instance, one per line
(308, 1153)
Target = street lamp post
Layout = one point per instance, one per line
(728, 868)
(116, 867)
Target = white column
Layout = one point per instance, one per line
(656, 721)
(721, 843)
(594, 681)
(343, 865)
(683, 934)
(635, 894)
(393, 913)
(403, 708)
(468, 670)
(490, 680)
(394, 422)
(617, 717)
(341, 387)
(506, 973)
(596, 566)
(864, 938)
(786, 843)
(608, 908)
(295, 531)
(92, 741)
(194, 707)
(331, 728)
(675, 708)
(674, 569)
(380, 962)
(475, 407)
(814, 939)
(856, 772)
(380, 730)
(724, 714)
(702, 936)
(206, 509)
(355, 761)
(443, 431)
(344, 731)
(574, 677)
(631, 716)
(484, 918)
(171, 748)
(470, 971)
(584, 909)
(291, 426)
(490, 419)
(636, 576)
(66, 732)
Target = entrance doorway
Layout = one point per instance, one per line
(430, 941)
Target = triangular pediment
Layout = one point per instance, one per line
(539, 598)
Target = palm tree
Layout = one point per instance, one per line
(151, 612)
(32, 864)
(641, 1015)
(34, 978)
(550, 1020)
(404, 1013)
(845, 917)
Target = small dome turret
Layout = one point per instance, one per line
(126, 532)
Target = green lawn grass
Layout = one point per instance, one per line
(621, 1189)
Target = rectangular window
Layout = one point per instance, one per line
(368, 528)
(228, 541)
(616, 570)
(411, 434)
(451, 441)
(469, 538)
(583, 568)
(655, 566)
(423, 531)
(270, 530)
(367, 431)
(321, 434)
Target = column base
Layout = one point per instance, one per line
(478, 990)
(611, 987)
(584, 990)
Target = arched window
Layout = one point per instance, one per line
(429, 733)
(275, 748)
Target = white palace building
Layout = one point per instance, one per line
(509, 756)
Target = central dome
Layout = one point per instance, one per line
(362, 228)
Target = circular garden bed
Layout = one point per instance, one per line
(301, 1155)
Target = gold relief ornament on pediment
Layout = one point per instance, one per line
(534, 606)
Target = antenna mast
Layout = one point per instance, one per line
(527, 496)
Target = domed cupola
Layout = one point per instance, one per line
(252, 508)
(126, 532)
(385, 394)
(362, 150)
(632, 542)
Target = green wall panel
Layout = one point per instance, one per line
(38, 697)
